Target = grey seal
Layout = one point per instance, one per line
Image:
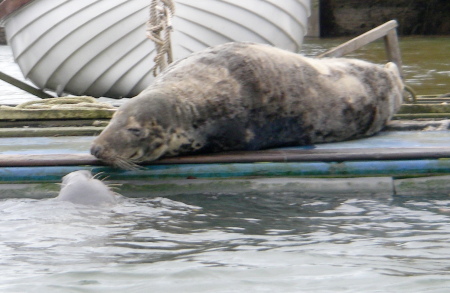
(80, 187)
(246, 96)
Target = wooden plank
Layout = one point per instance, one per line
(48, 160)
(284, 156)
(361, 40)
(436, 99)
(423, 116)
(417, 125)
(24, 86)
(393, 49)
(53, 123)
(50, 131)
(424, 108)
(35, 114)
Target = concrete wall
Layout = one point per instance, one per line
(353, 17)
(314, 20)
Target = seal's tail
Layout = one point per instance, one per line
(398, 86)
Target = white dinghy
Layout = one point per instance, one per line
(100, 47)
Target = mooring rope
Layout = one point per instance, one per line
(66, 103)
(159, 28)
(409, 95)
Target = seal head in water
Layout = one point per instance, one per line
(80, 187)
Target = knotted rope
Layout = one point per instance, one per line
(159, 28)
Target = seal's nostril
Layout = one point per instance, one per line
(96, 150)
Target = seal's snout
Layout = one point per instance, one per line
(97, 150)
(105, 154)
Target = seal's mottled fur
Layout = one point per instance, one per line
(244, 96)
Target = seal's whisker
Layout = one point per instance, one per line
(104, 178)
(114, 188)
(126, 164)
(97, 176)
(115, 185)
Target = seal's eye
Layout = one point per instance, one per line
(135, 131)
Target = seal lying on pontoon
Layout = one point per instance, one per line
(245, 96)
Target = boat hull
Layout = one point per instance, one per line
(99, 48)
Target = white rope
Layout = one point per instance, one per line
(159, 28)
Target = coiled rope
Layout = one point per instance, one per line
(159, 28)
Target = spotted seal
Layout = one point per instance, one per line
(81, 187)
(246, 96)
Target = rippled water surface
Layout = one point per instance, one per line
(261, 242)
